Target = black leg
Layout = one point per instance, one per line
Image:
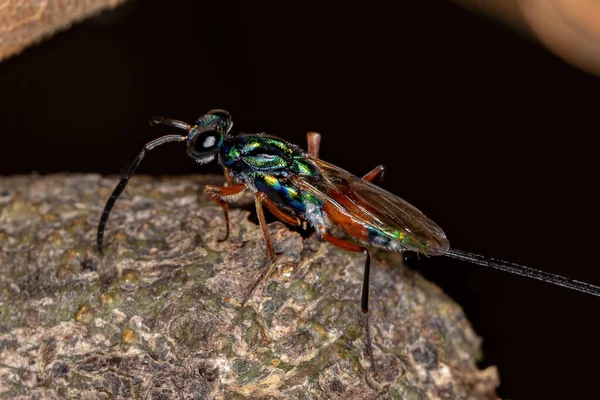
(364, 302)
(364, 307)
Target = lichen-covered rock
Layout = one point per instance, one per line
(158, 316)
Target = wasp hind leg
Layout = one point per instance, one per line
(216, 194)
(364, 302)
(314, 141)
(377, 171)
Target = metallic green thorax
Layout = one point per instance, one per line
(266, 163)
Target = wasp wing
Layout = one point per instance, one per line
(376, 208)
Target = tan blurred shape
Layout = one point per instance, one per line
(24, 22)
(570, 28)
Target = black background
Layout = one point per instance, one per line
(489, 134)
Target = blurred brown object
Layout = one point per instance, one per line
(570, 28)
(24, 22)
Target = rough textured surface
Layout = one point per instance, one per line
(159, 317)
(24, 22)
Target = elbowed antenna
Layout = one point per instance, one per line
(134, 166)
(524, 271)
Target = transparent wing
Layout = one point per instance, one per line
(376, 208)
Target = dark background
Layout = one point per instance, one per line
(489, 134)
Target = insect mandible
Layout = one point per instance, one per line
(300, 189)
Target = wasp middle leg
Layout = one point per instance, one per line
(261, 199)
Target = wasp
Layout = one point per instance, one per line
(302, 190)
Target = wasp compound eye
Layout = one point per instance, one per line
(205, 142)
(203, 145)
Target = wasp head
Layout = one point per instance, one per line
(205, 138)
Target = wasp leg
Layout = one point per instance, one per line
(216, 194)
(378, 170)
(227, 177)
(314, 140)
(364, 303)
(260, 200)
(288, 219)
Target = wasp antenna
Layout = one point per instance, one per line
(130, 171)
(170, 122)
(524, 271)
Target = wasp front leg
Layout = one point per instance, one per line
(228, 179)
(217, 193)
